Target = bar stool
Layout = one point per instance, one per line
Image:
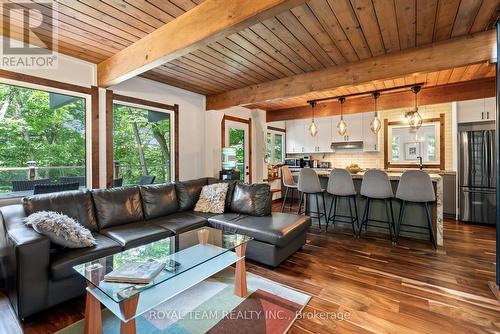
(288, 183)
(340, 185)
(376, 186)
(309, 184)
(415, 186)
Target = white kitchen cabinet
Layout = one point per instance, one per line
(293, 137)
(323, 139)
(476, 110)
(371, 141)
(354, 128)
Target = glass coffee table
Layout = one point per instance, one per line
(199, 253)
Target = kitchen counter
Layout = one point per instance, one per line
(415, 213)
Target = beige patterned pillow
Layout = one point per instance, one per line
(212, 198)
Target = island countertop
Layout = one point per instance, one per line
(394, 177)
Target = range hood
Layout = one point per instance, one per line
(347, 145)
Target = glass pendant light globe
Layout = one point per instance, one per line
(415, 120)
(342, 127)
(313, 129)
(375, 124)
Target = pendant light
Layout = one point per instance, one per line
(341, 125)
(313, 129)
(413, 117)
(375, 124)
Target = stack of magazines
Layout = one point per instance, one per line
(135, 272)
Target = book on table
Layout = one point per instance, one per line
(135, 272)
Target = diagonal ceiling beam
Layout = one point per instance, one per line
(210, 21)
(457, 52)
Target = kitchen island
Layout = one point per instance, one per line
(414, 215)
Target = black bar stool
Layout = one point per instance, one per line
(309, 184)
(340, 185)
(415, 186)
(289, 184)
(376, 186)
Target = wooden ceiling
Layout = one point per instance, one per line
(314, 36)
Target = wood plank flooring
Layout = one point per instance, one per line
(377, 287)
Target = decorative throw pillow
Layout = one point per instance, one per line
(212, 198)
(60, 229)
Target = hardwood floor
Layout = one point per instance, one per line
(377, 287)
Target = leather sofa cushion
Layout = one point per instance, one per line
(117, 206)
(158, 200)
(230, 190)
(180, 222)
(62, 260)
(278, 229)
(136, 234)
(252, 199)
(76, 204)
(188, 193)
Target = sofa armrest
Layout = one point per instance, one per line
(27, 262)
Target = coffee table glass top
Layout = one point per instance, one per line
(191, 250)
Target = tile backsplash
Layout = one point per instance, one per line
(376, 159)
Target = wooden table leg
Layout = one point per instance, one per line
(203, 236)
(240, 279)
(128, 308)
(93, 320)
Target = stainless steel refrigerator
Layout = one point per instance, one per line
(477, 177)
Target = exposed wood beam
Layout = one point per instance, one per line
(467, 90)
(456, 52)
(210, 21)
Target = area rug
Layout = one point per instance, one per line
(212, 307)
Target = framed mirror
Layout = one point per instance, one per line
(406, 147)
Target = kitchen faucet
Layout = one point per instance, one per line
(420, 165)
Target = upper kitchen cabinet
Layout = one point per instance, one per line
(354, 128)
(476, 110)
(323, 139)
(299, 140)
(294, 137)
(371, 141)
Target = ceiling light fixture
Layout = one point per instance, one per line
(413, 117)
(375, 124)
(341, 125)
(313, 128)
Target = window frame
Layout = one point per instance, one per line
(88, 116)
(172, 116)
(273, 133)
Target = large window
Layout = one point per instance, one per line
(142, 142)
(274, 147)
(42, 138)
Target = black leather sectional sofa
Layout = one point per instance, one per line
(40, 274)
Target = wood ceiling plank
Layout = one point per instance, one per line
(392, 100)
(185, 5)
(240, 68)
(242, 72)
(470, 71)
(173, 8)
(482, 71)
(349, 23)
(367, 19)
(199, 76)
(208, 71)
(259, 42)
(444, 77)
(306, 17)
(432, 78)
(487, 15)
(238, 59)
(143, 11)
(242, 52)
(153, 75)
(105, 21)
(267, 35)
(206, 23)
(467, 12)
(183, 75)
(399, 81)
(426, 20)
(406, 18)
(469, 49)
(71, 40)
(214, 64)
(258, 53)
(292, 24)
(321, 9)
(457, 73)
(447, 11)
(386, 12)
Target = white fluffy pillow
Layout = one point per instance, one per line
(61, 229)
(212, 198)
